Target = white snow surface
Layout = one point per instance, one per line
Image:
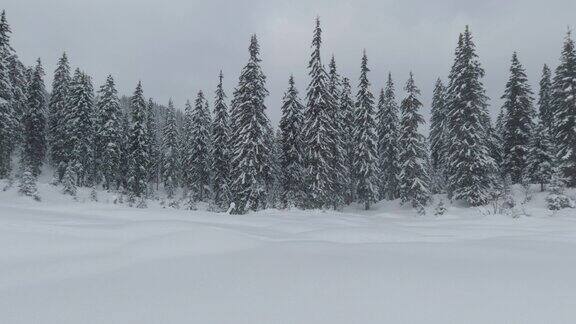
(82, 262)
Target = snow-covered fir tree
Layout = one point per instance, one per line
(57, 114)
(317, 140)
(250, 171)
(291, 160)
(8, 119)
(564, 102)
(540, 157)
(340, 176)
(517, 124)
(138, 150)
(437, 136)
(80, 128)
(469, 166)
(34, 150)
(69, 182)
(347, 112)
(545, 109)
(28, 186)
(152, 144)
(388, 135)
(220, 151)
(109, 134)
(196, 156)
(414, 181)
(365, 172)
(170, 152)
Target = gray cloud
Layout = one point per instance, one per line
(177, 47)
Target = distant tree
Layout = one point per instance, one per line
(413, 179)
(347, 112)
(138, 150)
(564, 119)
(80, 128)
(250, 174)
(365, 154)
(220, 150)
(540, 157)
(517, 122)
(152, 144)
(109, 133)
(170, 158)
(196, 155)
(388, 134)
(34, 151)
(57, 113)
(545, 109)
(291, 160)
(317, 140)
(437, 137)
(470, 167)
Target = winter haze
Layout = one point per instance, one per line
(177, 47)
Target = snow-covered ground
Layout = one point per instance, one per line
(63, 261)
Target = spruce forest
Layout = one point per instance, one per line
(339, 141)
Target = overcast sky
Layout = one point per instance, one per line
(177, 47)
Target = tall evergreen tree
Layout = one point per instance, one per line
(470, 167)
(220, 150)
(291, 160)
(34, 150)
(414, 179)
(517, 122)
(152, 144)
(437, 137)
(347, 112)
(80, 128)
(57, 113)
(196, 158)
(317, 131)
(109, 133)
(250, 147)
(138, 150)
(545, 109)
(340, 175)
(170, 152)
(388, 135)
(8, 117)
(365, 172)
(540, 157)
(565, 111)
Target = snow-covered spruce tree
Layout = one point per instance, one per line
(545, 108)
(564, 102)
(8, 118)
(124, 149)
(152, 144)
(469, 166)
(34, 150)
(556, 199)
(69, 182)
(250, 148)
(317, 140)
(170, 152)
(109, 133)
(437, 136)
(28, 185)
(57, 113)
(291, 160)
(388, 135)
(196, 155)
(340, 176)
(138, 150)
(517, 122)
(220, 150)
(414, 180)
(80, 128)
(275, 187)
(540, 156)
(347, 111)
(365, 172)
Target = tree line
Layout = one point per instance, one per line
(331, 148)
